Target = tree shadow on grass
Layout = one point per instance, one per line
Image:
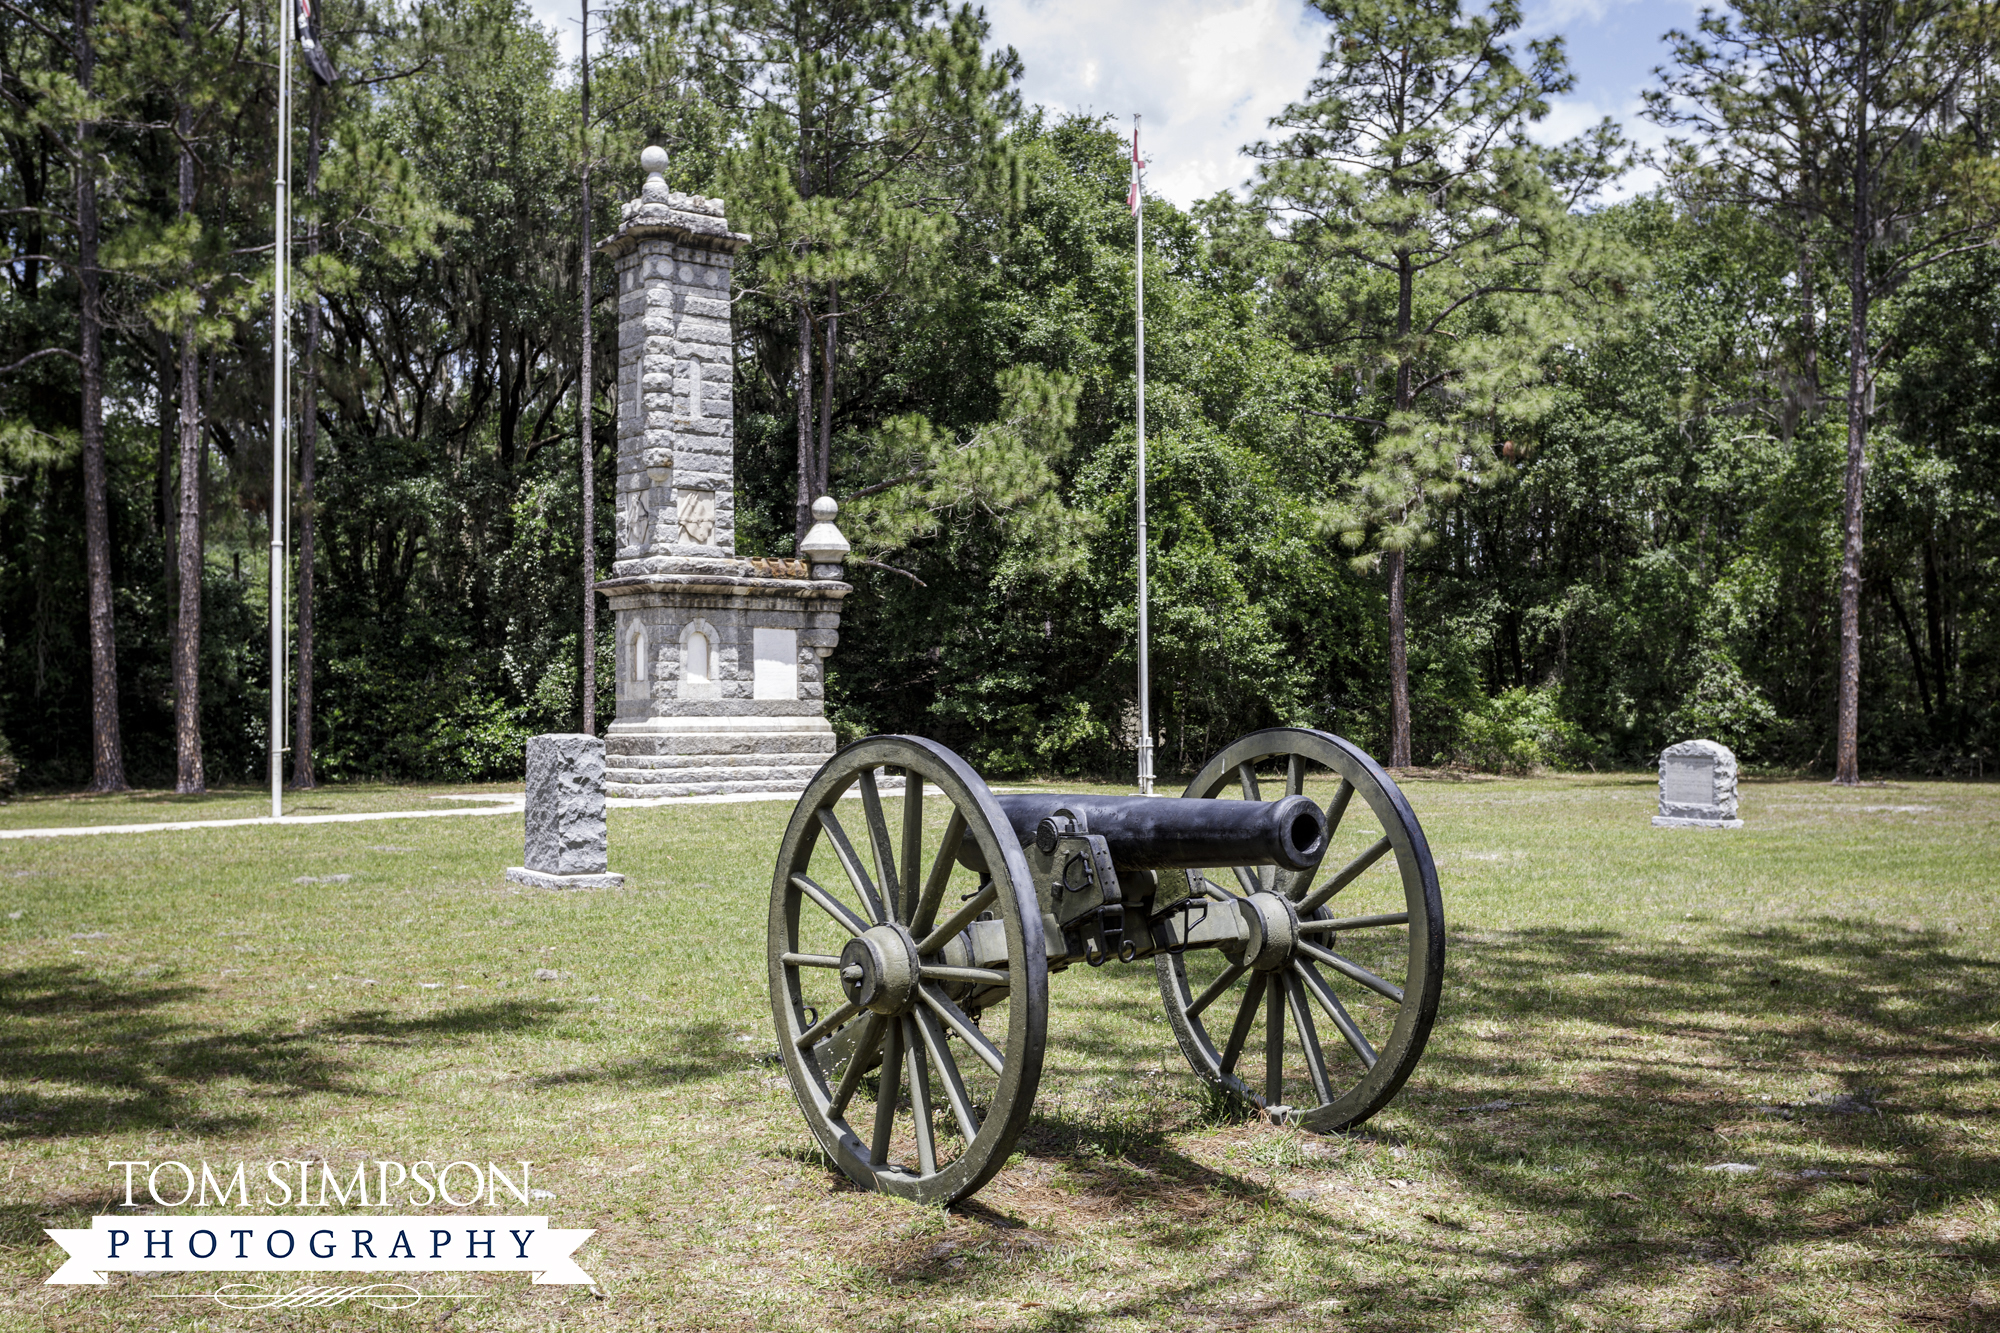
(692, 1053)
(87, 1055)
(122, 1064)
(1633, 1064)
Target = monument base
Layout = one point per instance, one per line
(541, 879)
(714, 756)
(1669, 821)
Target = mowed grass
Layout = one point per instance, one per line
(49, 809)
(1816, 996)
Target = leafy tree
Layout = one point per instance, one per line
(1868, 118)
(1435, 247)
(869, 127)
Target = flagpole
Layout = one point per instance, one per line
(1139, 310)
(279, 330)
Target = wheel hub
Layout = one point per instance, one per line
(878, 970)
(1274, 931)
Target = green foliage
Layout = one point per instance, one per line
(1516, 731)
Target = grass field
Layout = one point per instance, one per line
(1816, 996)
(42, 809)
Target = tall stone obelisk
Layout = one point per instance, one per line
(719, 680)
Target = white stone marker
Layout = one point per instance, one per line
(565, 816)
(1697, 786)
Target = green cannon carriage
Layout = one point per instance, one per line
(1289, 888)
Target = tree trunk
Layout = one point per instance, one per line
(1847, 725)
(188, 777)
(584, 428)
(1934, 619)
(308, 436)
(107, 749)
(1393, 564)
(1396, 563)
(803, 516)
(823, 462)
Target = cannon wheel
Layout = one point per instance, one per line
(860, 986)
(1383, 1024)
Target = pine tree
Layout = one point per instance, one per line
(1868, 120)
(1440, 256)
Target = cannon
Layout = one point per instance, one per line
(1289, 890)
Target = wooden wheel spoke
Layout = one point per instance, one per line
(1337, 1011)
(1352, 970)
(1274, 1041)
(988, 894)
(888, 1091)
(1302, 1020)
(1215, 989)
(941, 865)
(967, 1030)
(983, 976)
(1295, 775)
(1247, 876)
(1336, 808)
(1246, 777)
(831, 905)
(955, 1094)
(865, 1047)
(1356, 923)
(809, 960)
(878, 842)
(1246, 1014)
(920, 1104)
(1354, 870)
(913, 842)
(843, 850)
(827, 1026)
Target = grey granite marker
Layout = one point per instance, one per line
(1697, 786)
(565, 816)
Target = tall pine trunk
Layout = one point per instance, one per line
(107, 757)
(1395, 564)
(584, 428)
(1847, 727)
(188, 776)
(807, 469)
(822, 462)
(308, 436)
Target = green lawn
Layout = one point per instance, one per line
(36, 809)
(1816, 995)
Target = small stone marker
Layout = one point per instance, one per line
(565, 816)
(1697, 786)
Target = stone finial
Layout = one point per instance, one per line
(654, 162)
(823, 544)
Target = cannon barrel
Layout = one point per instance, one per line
(1184, 833)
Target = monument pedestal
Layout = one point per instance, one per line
(719, 681)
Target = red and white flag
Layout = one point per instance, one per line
(1132, 198)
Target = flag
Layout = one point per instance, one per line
(316, 58)
(1132, 198)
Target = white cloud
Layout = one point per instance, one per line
(1205, 74)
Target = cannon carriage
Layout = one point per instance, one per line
(1287, 902)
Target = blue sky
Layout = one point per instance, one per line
(1207, 74)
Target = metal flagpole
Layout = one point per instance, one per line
(1139, 307)
(279, 332)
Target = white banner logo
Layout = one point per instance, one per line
(443, 1244)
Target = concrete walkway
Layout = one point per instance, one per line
(509, 805)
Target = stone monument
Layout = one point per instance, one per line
(1697, 786)
(718, 656)
(565, 816)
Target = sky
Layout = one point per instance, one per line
(1207, 75)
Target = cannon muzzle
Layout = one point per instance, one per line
(1183, 833)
